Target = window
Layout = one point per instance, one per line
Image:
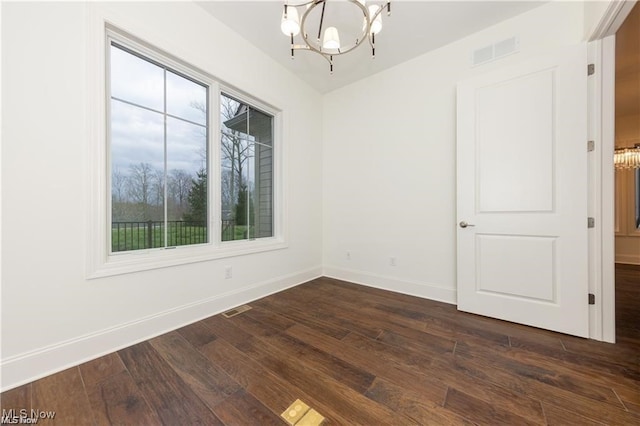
(181, 168)
(246, 154)
(627, 203)
(637, 198)
(159, 131)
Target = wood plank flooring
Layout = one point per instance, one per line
(359, 356)
(628, 303)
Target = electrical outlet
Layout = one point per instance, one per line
(392, 261)
(295, 412)
(228, 272)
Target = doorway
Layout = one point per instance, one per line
(627, 180)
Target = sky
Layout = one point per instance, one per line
(137, 134)
(137, 111)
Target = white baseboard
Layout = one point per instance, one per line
(27, 367)
(424, 290)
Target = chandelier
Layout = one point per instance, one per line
(627, 158)
(328, 44)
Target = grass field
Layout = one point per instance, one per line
(235, 232)
(138, 237)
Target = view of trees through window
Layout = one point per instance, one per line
(246, 171)
(158, 154)
(159, 133)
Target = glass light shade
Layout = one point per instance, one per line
(627, 158)
(376, 24)
(290, 24)
(331, 39)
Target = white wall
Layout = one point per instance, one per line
(389, 158)
(52, 317)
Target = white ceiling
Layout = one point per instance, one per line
(414, 28)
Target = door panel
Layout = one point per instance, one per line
(511, 184)
(533, 279)
(522, 173)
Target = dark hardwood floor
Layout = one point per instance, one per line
(356, 355)
(628, 303)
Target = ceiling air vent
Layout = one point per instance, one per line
(494, 51)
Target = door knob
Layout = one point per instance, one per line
(464, 224)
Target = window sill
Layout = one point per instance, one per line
(145, 260)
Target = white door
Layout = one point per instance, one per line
(522, 190)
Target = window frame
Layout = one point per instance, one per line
(635, 224)
(224, 90)
(101, 261)
(626, 197)
(167, 63)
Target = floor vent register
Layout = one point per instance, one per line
(236, 311)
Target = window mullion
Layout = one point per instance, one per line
(214, 157)
(247, 178)
(164, 195)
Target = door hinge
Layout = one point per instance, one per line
(591, 69)
(591, 222)
(591, 145)
(592, 299)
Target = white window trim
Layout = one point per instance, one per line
(100, 262)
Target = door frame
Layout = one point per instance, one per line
(601, 52)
